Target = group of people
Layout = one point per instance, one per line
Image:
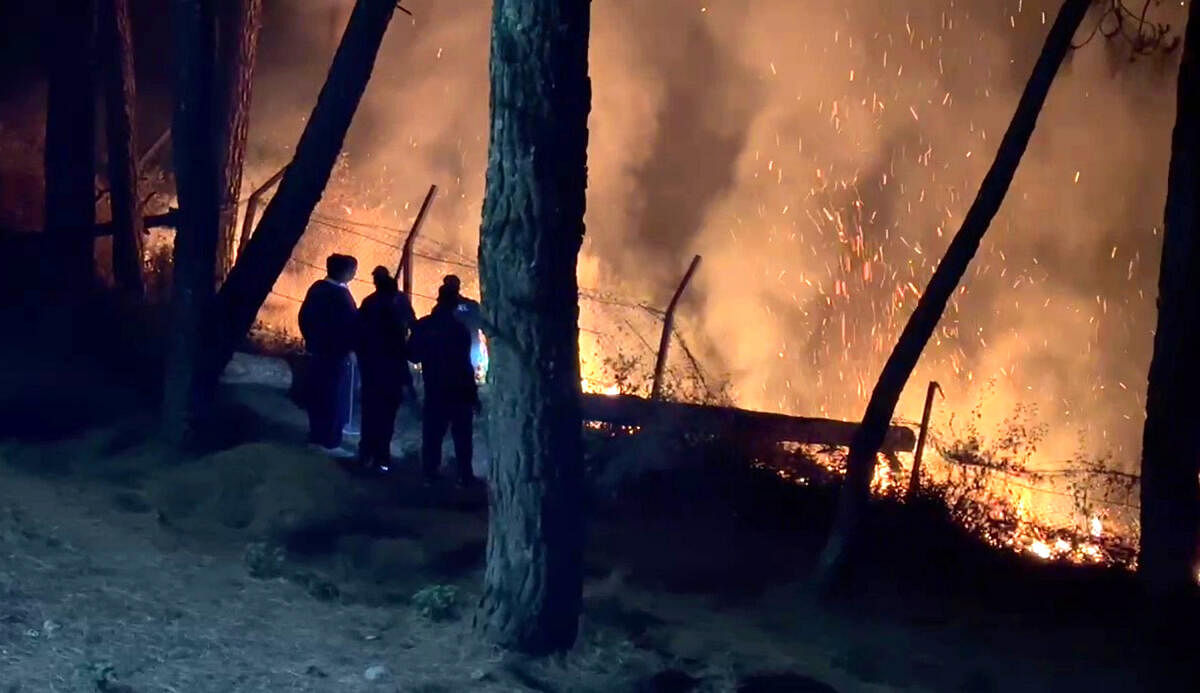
(384, 336)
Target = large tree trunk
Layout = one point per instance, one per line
(856, 489)
(70, 147)
(240, 21)
(121, 102)
(1170, 512)
(286, 217)
(529, 243)
(196, 171)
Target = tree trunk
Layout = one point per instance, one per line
(855, 494)
(1170, 508)
(121, 102)
(196, 173)
(240, 22)
(530, 239)
(70, 147)
(286, 217)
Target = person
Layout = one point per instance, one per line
(384, 319)
(327, 323)
(467, 311)
(442, 345)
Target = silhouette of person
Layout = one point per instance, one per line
(442, 345)
(467, 311)
(327, 323)
(384, 319)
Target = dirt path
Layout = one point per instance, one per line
(90, 597)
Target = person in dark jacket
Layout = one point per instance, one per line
(467, 311)
(442, 345)
(384, 319)
(327, 323)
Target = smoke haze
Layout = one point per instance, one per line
(819, 155)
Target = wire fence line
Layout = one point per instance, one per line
(439, 252)
(585, 293)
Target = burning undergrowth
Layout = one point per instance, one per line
(993, 487)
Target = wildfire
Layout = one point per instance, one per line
(1002, 520)
(593, 387)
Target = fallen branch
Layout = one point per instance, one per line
(628, 410)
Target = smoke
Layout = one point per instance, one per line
(819, 155)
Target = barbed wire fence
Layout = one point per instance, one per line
(613, 325)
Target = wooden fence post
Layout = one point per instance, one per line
(668, 323)
(406, 255)
(914, 481)
(252, 208)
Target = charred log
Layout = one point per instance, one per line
(627, 410)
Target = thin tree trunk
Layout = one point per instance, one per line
(855, 494)
(196, 173)
(121, 102)
(286, 217)
(1170, 508)
(70, 147)
(239, 27)
(529, 244)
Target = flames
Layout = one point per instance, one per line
(990, 512)
(594, 387)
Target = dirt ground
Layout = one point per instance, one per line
(259, 565)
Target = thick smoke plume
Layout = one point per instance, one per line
(819, 155)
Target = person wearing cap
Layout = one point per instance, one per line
(384, 319)
(467, 312)
(442, 345)
(327, 323)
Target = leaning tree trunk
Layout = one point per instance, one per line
(286, 217)
(1170, 508)
(120, 104)
(856, 489)
(70, 147)
(240, 22)
(529, 242)
(196, 169)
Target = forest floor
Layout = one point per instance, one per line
(259, 565)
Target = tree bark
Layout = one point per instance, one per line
(529, 244)
(70, 147)
(240, 22)
(196, 179)
(855, 494)
(286, 217)
(121, 102)
(1170, 493)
